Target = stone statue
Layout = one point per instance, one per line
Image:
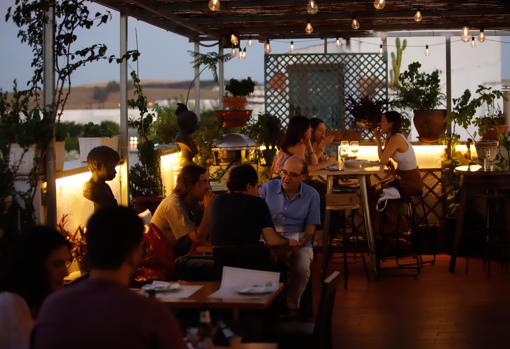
(101, 162)
(188, 123)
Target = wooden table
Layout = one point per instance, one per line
(474, 181)
(363, 174)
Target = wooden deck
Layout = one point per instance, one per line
(436, 310)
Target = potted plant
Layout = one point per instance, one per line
(492, 123)
(421, 92)
(94, 135)
(238, 90)
(265, 131)
(366, 112)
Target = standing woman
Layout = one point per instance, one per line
(398, 148)
(38, 267)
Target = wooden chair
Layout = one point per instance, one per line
(317, 335)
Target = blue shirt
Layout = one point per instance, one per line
(291, 216)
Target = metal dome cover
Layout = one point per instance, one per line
(235, 141)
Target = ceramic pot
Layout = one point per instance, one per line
(234, 103)
(430, 124)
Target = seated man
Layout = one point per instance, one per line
(101, 162)
(102, 312)
(295, 208)
(183, 217)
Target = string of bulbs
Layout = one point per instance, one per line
(312, 8)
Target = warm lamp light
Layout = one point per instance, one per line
(473, 42)
(465, 34)
(379, 4)
(381, 50)
(233, 53)
(234, 40)
(481, 36)
(250, 42)
(427, 51)
(312, 7)
(338, 43)
(267, 47)
(355, 23)
(309, 28)
(214, 5)
(418, 16)
(292, 47)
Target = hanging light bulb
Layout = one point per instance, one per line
(355, 23)
(481, 35)
(379, 4)
(473, 42)
(291, 47)
(465, 34)
(267, 47)
(234, 40)
(312, 7)
(214, 5)
(250, 42)
(244, 53)
(418, 16)
(309, 28)
(338, 43)
(427, 51)
(233, 52)
(381, 50)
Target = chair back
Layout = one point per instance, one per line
(322, 328)
(247, 256)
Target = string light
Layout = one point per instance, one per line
(214, 5)
(465, 34)
(473, 42)
(418, 16)
(381, 50)
(233, 52)
(309, 28)
(427, 50)
(379, 4)
(355, 23)
(481, 36)
(312, 7)
(234, 40)
(250, 43)
(292, 47)
(242, 53)
(267, 47)
(338, 43)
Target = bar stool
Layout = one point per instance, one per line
(341, 240)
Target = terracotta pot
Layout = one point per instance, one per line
(233, 118)
(234, 103)
(493, 132)
(430, 124)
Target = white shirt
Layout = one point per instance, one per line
(15, 322)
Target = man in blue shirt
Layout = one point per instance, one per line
(295, 209)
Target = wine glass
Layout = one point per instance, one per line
(344, 149)
(354, 146)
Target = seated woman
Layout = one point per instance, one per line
(37, 268)
(320, 139)
(297, 141)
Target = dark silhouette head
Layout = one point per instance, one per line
(298, 125)
(240, 176)
(186, 119)
(395, 119)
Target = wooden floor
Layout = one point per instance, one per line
(437, 310)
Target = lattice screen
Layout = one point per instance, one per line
(318, 85)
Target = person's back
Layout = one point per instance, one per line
(102, 314)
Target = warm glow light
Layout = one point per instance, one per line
(418, 16)
(466, 35)
(234, 40)
(250, 42)
(292, 47)
(244, 53)
(427, 50)
(355, 23)
(309, 28)
(267, 47)
(214, 5)
(170, 168)
(379, 4)
(233, 52)
(338, 43)
(473, 42)
(312, 7)
(381, 50)
(481, 36)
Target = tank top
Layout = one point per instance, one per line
(406, 160)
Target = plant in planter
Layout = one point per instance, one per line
(421, 92)
(164, 128)
(209, 130)
(239, 90)
(265, 131)
(366, 112)
(493, 122)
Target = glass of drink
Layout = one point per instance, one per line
(344, 149)
(354, 145)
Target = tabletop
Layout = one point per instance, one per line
(477, 170)
(343, 171)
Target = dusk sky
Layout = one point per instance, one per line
(164, 54)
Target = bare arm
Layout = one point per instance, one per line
(199, 235)
(273, 239)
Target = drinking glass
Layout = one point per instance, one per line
(354, 145)
(344, 149)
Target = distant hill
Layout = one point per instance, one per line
(105, 95)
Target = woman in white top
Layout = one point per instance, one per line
(398, 148)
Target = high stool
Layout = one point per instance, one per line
(401, 243)
(340, 239)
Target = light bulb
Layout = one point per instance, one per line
(379, 4)
(427, 51)
(338, 43)
(250, 43)
(312, 7)
(267, 47)
(381, 50)
(214, 5)
(233, 53)
(418, 16)
(291, 46)
(244, 53)
(481, 36)
(355, 23)
(309, 28)
(234, 40)
(473, 42)
(465, 34)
